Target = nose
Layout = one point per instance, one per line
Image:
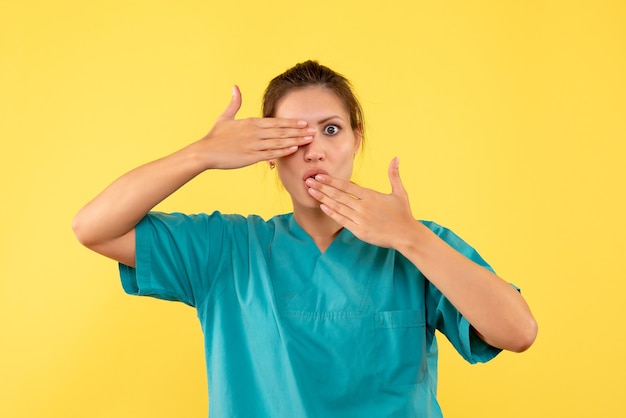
(314, 151)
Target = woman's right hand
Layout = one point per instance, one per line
(107, 223)
(234, 143)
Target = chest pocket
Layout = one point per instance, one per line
(400, 343)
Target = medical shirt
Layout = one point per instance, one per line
(292, 332)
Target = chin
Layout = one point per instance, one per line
(305, 202)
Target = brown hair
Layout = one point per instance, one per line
(308, 74)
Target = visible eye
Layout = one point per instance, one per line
(331, 130)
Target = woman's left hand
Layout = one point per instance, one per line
(374, 217)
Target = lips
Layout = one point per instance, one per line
(312, 173)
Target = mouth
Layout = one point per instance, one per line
(311, 174)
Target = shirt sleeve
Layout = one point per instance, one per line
(176, 256)
(443, 316)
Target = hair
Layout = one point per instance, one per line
(310, 74)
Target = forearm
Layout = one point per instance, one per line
(493, 307)
(119, 207)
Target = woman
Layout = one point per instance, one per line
(329, 311)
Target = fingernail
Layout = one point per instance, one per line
(308, 138)
(302, 123)
(310, 182)
(319, 177)
(311, 130)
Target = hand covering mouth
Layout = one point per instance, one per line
(311, 174)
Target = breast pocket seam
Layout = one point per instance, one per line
(400, 347)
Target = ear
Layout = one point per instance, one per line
(358, 139)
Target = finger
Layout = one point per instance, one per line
(273, 154)
(338, 217)
(266, 123)
(345, 204)
(341, 204)
(397, 187)
(272, 133)
(344, 186)
(280, 143)
(233, 106)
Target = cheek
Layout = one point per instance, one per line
(347, 152)
(346, 164)
(287, 164)
(286, 170)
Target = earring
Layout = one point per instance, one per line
(272, 164)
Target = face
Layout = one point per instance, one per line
(332, 150)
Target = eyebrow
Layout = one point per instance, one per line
(329, 118)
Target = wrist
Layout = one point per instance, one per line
(196, 157)
(414, 239)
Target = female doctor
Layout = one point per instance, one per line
(328, 311)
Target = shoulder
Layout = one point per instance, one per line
(178, 223)
(179, 218)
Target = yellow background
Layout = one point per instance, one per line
(509, 118)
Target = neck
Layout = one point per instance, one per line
(320, 227)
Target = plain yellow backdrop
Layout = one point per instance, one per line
(509, 118)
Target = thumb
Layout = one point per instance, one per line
(233, 106)
(397, 188)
